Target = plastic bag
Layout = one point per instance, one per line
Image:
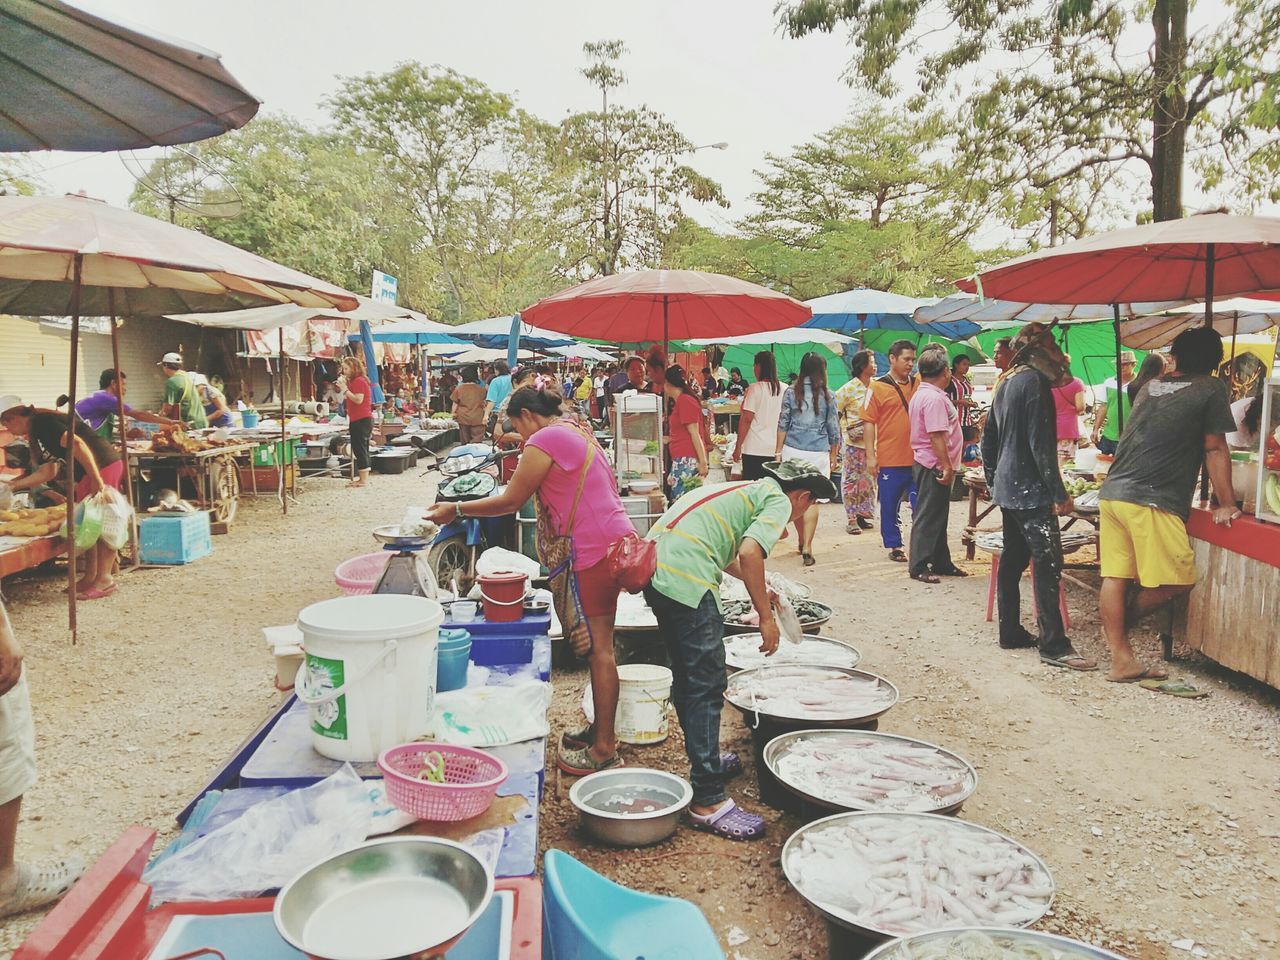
(788, 620)
(117, 514)
(496, 558)
(269, 844)
(490, 716)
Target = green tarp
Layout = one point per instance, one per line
(1092, 347)
(788, 357)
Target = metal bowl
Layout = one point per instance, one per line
(383, 900)
(842, 917)
(835, 653)
(1013, 937)
(390, 535)
(631, 806)
(814, 625)
(734, 695)
(843, 739)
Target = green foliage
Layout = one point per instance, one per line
(18, 175)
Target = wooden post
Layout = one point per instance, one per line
(284, 494)
(78, 268)
(120, 419)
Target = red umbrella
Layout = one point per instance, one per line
(1190, 259)
(664, 305)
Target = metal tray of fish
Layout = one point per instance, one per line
(988, 943)
(742, 652)
(865, 770)
(810, 693)
(896, 874)
(813, 616)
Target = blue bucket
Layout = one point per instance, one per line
(451, 665)
(249, 418)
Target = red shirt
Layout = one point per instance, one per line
(687, 410)
(364, 409)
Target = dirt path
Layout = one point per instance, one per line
(1156, 815)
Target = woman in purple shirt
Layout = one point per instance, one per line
(99, 409)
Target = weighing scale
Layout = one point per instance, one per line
(406, 572)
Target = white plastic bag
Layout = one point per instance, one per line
(788, 620)
(269, 844)
(491, 716)
(496, 558)
(117, 513)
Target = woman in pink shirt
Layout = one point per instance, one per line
(551, 466)
(1068, 402)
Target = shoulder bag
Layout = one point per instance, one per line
(555, 549)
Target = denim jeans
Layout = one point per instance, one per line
(695, 641)
(1031, 536)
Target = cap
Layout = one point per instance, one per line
(9, 401)
(793, 474)
(1126, 356)
(170, 359)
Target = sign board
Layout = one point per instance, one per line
(384, 287)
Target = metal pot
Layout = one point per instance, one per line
(754, 713)
(631, 806)
(746, 655)
(397, 897)
(1065, 947)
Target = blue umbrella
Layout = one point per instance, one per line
(495, 333)
(880, 310)
(412, 331)
(370, 362)
(513, 342)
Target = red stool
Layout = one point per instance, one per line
(991, 593)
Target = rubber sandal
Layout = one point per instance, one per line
(578, 762)
(953, 572)
(865, 523)
(1065, 662)
(96, 594)
(1174, 688)
(730, 822)
(583, 738)
(730, 765)
(852, 529)
(1148, 673)
(39, 886)
(808, 559)
(925, 577)
(897, 556)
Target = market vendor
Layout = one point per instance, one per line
(213, 401)
(99, 409)
(726, 527)
(181, 397)
(631, 379)
(97, 466)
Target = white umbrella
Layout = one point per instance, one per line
(582, 351)
(485, 355)
(796, 335)
(1230, 317)
(966, 306)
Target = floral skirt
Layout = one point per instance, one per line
(858, 485)
(683, 476)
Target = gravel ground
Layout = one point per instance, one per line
(1156, 815)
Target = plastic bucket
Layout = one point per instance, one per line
(369, 679)
(451, 664)
(249, 419)
(644, 696)
(503, 594)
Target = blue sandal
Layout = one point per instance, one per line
(730, 822)
(730, 765)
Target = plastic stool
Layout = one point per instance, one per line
(991, 593)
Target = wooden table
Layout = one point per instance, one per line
(977, 485)
(214, 473)
(34, 552)
(1233, 614)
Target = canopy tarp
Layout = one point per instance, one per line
(1092, 347)
(495, 333)
(788, 357)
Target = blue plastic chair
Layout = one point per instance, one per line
(589, 917)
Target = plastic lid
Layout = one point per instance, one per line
(454, 635)
(503, 576)
(374, 616)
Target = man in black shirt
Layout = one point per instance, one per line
(1020, 458)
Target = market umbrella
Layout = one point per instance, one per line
(974, 309)
(865, 309)
(796, 335)
(495, 333)
(75, 256)
(661, 305)
(1230, 318)
(74, 80)
(582, 351)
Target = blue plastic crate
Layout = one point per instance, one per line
(500, 643)
(176, 538)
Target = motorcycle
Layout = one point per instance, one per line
(469, 472)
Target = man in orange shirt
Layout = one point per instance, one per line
(888, 435)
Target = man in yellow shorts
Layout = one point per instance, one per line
(1178, 421)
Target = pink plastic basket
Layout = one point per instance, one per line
(360, 574)
(472, 778)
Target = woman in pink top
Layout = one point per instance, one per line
(1068, 402)
(551, 465)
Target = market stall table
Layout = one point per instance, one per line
(1232, 614)
(213, 473)
(24, 553)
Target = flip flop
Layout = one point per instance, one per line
(1174, 688)
(897, 556)
(96, 594)
(39, 886)
(852, 529)
(1065, 662)
(1148, 673)
(730, 822)
(953, 572)
(578, 762)
(925, 577)
(808, 559)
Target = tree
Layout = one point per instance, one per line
(1085, 102)
(18, 175)
(626, 181)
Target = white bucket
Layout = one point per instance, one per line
(644, 696)
(369, 679)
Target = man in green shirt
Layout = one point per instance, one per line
(181, 398)
(1106, 422)
(728, 527)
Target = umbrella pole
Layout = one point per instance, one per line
(70, 448)
(284, 494)
(1209, 265)
(1115, 308)
(124, 440)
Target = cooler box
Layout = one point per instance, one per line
(175, 538)
(498, 644)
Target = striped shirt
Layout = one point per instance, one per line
(693, 554)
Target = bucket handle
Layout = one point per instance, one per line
(305, 694)
(504, 603)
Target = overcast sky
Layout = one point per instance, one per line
(718, 68)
